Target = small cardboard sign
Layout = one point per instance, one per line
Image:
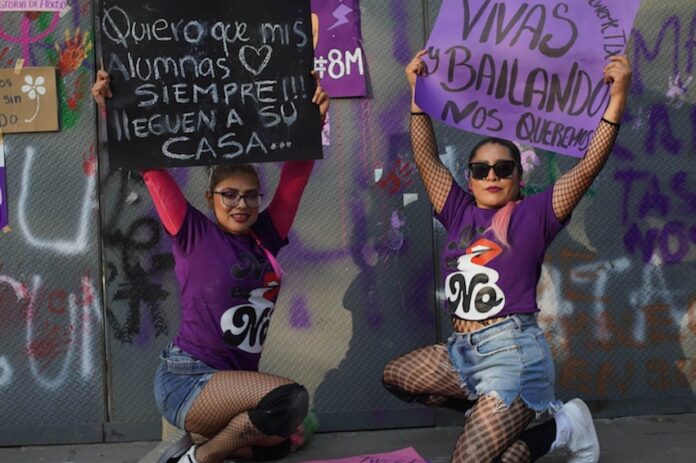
(28, 100)
(33, 5)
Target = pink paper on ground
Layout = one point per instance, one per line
(407, 455)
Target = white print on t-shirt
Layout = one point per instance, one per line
(246, 326)
(473, 290)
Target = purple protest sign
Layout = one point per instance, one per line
(527, 71)
(4, 221)
(339, 58)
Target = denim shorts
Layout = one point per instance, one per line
(506, 360)
(178, 381)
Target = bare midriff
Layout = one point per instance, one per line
(468, 326)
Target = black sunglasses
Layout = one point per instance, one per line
(502, 169)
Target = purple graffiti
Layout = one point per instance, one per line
(673, 241)
(693, 129)
(635, 240)
(25, 39)
(400, 13)
(645, 196)
(660, 129)
(643, 188)
(674, 232)
(628, 177)
(146, 334)
(680, 185)
(300, 316)
(642, 51)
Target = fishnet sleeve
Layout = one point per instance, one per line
(572, 186)
(436, 177)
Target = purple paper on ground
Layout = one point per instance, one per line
(407, 455)
(338, 55)
(526, 71)
(4, 220)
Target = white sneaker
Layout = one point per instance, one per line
(189, 456)
(582, 442)
(179, 443)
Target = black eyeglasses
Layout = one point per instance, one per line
(502, 169)
(230, 198)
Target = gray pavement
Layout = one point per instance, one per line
(668, 438)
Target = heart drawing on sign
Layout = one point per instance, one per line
(261, 55)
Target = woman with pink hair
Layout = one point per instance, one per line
(497, 365)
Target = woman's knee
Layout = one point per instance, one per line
(281, 411)
(387, 375)
(392, 383)
(393, 371)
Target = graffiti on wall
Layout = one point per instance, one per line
(37, 43)
(626, 323)
(50, 298)
(70, 246)
(136, 268)
(60, 330)
(658, 209)
(601, 347)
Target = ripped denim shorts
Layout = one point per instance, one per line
(506, 360)
(178, 381)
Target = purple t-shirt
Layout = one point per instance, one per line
(483, 279)
(228, 290)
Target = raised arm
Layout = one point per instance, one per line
(572, 186)
(168, 199)
(437, 179)
(294, 177)
(167, 196)
(286, 201)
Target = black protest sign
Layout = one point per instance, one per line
(209, 82)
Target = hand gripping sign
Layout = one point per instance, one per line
(527, 71)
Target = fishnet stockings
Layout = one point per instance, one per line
(490, 430)
(220, 414)
(467, 326)
(427, 375)
(425, 372)
(518, 452)
(437, 179)
(572, 186)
